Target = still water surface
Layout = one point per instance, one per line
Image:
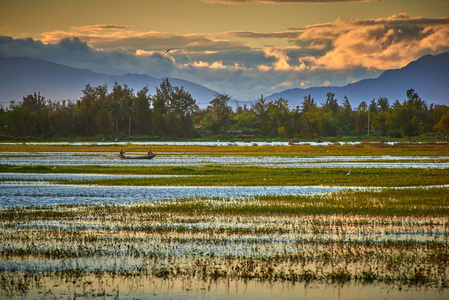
(27, 194)
(167, 159)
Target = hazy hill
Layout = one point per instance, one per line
(428, 76)
(20, 76)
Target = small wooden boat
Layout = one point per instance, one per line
(138, 157)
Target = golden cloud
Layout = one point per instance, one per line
(378, 43)
(284, 1)
(373, 44)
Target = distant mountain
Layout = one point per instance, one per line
(428, 76)
(20, 76)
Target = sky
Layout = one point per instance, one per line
(243, 48)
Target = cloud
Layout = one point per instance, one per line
(282, 59)
(284, 1)
(186, 48)
(122, 38)
(378, 43)
(214, 65)
(282, 85)
(246, 64)
(76, 53)
(101, 27)
(258, 35)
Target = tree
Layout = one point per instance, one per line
(442, 126)
(61, 118)
(346, 117)
(309, 115)
(103, 118)
(115, 104)
(144, 117)
(373, 107)
(294, 121)
(260, 109)
(129, 109)
(383, 104)
(221, 113)
(245, 119)
(409, 129)
(361, 122)
(415, 114)
(103, 121)
(160, 107)
(362, 106)
(88, 107)
(181, 109)
(414, 101)
(35, 105)
(331, 103)
(379, 120)
(308, 104)
(173, 111)
(328, 124)
(115, 111)
(19, 121)
(278, 116)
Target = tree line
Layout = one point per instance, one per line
(173, 113)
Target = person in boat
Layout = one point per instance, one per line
(150, 153)
(122, 153)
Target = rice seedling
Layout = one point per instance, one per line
(393, 236)
(246, 176)
(213, 239)
(372, 149)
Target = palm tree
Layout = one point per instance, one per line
(129, 109)
(115, 109)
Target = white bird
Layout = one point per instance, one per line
(348, 173)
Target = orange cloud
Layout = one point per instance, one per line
(282, 59)
(303, 55)
(284, 1)
(213, 65)
(101, 27)
(379, 43)
(282, 84)
(217, 65)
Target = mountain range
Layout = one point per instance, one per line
(20, 76)
(428, 76)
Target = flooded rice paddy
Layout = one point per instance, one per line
(177, 159)
(43, 193)
(172, 249)
(207, 143)
(222, 242)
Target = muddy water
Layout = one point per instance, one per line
(156, 288)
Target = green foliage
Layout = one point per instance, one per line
(218, 114)
(172, 112)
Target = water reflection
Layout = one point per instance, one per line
(48, 194)
(42, 177)
(209, 143)
(110, 159)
